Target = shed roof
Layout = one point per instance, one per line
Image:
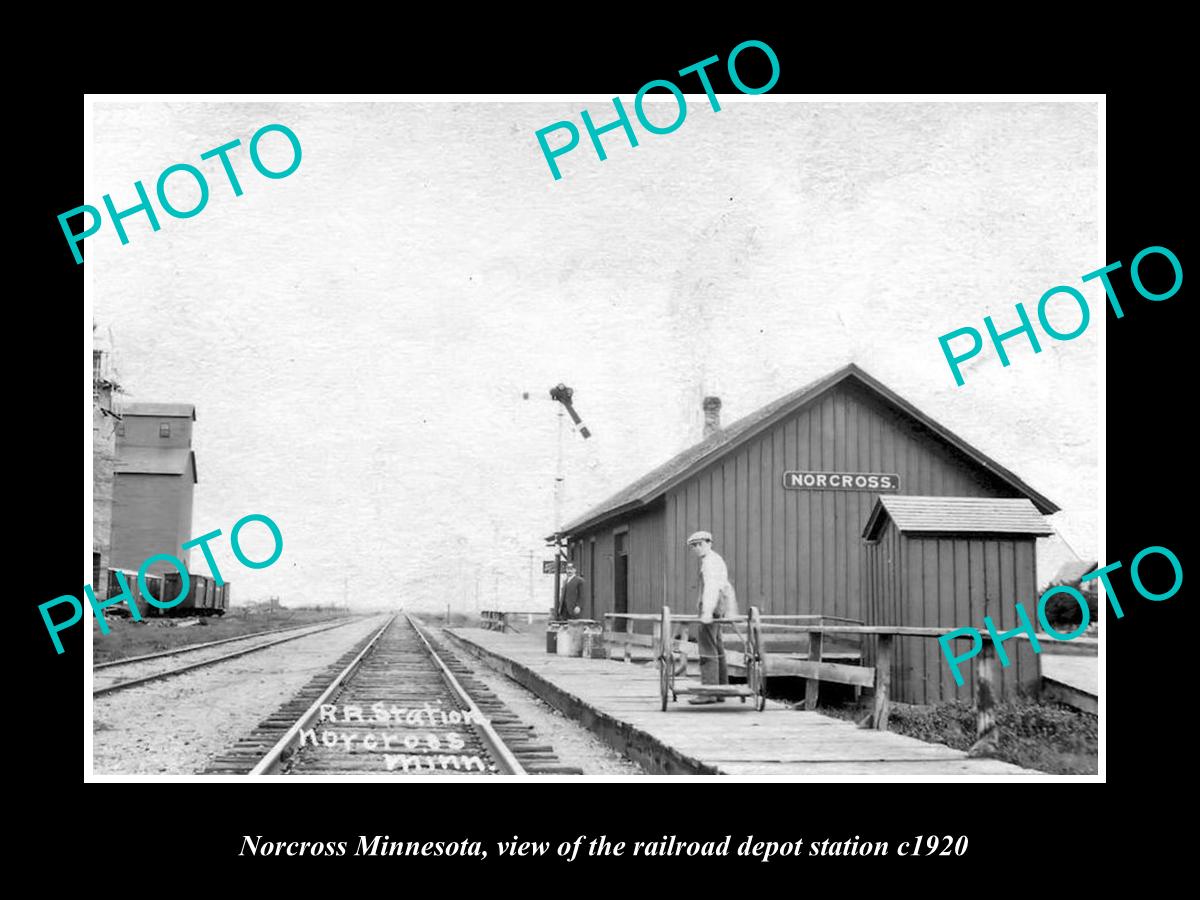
(155, 461)
(661, 479)
(956, 515)
(170, 410)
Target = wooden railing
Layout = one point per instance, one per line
(983, 667)
(620, 637)
(505, 620)
(619, 634)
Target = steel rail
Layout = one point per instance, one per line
(133, 682)
(273, 757)
(492, 741)
(180, 650)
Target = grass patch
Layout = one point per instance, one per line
(1049, 737)
(128, 638)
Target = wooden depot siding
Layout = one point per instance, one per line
(950, 581)
(802, 551)
(792, 551)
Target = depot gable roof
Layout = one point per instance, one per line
(658, 481)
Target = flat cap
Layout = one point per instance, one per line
(700, 536)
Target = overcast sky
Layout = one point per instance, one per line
(357, 337)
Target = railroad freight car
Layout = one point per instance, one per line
(194, 602)
(222, 601)
(204, 596)
(212, 603)
(154, 584)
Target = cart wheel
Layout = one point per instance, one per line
(664, 685)
(759, 684)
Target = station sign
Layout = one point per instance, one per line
(877, 482)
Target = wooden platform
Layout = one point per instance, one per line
(620, 702)
(1071, 680)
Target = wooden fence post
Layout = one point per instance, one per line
(812, 686)
(628, 630)
(883, 681)
(985, 701)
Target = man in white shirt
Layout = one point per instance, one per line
(717, 601)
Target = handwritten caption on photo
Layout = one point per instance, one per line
(427, 748)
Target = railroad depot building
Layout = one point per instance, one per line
(788, 493)
(154, 478)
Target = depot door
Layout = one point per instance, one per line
(621, 572)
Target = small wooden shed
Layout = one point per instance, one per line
(948, 562)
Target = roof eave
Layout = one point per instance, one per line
(1044, 504)
(1024, 532)
(579, 527)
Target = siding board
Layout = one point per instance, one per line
(827, 601)
(810, 507)
(729, 469)
(742, 574)
(791, 535)
(1026, 587)
(754, 545)
(961, 615)
(773, 482)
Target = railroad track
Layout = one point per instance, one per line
(126, 673)
(398, 704)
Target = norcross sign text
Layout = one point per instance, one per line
(840, 481)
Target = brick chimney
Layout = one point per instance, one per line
(712, 415)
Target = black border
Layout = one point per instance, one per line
(1148, 437)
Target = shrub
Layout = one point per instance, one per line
(1063, 611)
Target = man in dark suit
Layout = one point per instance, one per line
(570, 599)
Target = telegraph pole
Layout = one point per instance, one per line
(558, 502)
(562, 395)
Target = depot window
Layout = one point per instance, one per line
(164, 429)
